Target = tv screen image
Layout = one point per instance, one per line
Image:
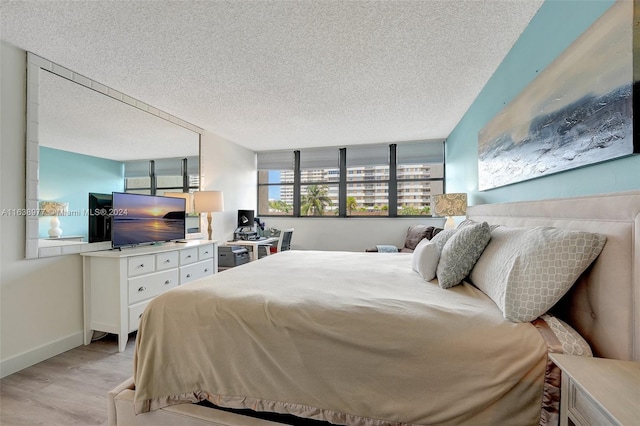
(139, 219)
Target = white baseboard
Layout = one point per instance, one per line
(27, 359)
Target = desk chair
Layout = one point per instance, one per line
(283, 244)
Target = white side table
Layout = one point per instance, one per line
(598, 391)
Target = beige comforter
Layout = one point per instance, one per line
(352, 338)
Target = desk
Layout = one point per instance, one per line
(254, 244)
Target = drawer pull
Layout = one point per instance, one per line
(167, 282)
(188, 275)
(206, 269)
(167, 261)
(142, 289)
(139, 316)
(206, 252)
(188, 256)
(141, 265)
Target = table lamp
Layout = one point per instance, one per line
(207, 202)
(54, 209)
(449, 205)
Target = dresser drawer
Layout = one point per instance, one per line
(198, 270)
(188, 256)
(205, 252)
(148, 286)
(140, 265)
(583, 410)
(135, 313)
(166, 260)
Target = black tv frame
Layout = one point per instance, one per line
(100, 207)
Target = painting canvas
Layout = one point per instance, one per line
(578, 111)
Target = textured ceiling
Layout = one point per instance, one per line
(284, 74)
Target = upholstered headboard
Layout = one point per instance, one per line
(604, 304)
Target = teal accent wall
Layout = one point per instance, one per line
(556, 25)
(67, 176)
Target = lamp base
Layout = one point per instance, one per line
(209, 230)
(450, 223)
(55, 231)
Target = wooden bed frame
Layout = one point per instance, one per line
(603, 305)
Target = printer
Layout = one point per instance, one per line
(230, 256)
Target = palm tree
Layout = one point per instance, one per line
(352, 204)
(315, 200)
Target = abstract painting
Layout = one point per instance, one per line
(577, 112)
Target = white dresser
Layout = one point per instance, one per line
(119, 284)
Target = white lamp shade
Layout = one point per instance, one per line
(208, 201)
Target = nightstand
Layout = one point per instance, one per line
(598, 391)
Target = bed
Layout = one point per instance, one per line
(362, 339)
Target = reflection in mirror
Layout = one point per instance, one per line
(91, 143)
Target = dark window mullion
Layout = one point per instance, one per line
(342, 185)
(152, 176)
(393, 182)
(297, 199)
(185, 176)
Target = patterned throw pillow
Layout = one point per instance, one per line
(525, 271)
(441, 239)
(461, 252)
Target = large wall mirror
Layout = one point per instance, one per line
(85, 141)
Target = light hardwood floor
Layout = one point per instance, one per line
(68, 389)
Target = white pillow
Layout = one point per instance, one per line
(525, 271)
(425, 259)
(416, 253)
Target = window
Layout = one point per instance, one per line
(420, 174)
(367, 180)
(275, 183)
(155, 177)
(364, 180)
(319, 182)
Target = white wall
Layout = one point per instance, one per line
(41, 299)
(351, 234)
(228, 167)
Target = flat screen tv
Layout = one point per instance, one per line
(142, 219)
(99, 217)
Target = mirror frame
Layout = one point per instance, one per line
(35, 66)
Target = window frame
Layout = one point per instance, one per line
(153, 188)
(393, 183)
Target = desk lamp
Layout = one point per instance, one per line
(449, 205)
(207, 202)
